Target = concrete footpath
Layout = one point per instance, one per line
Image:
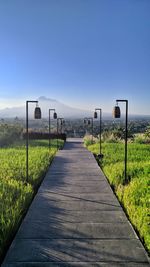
(75, 219)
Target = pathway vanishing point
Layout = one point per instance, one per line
(75, 219)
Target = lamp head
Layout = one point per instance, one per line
(55, 115)
(37, 113)
(61, 121)
(116, 112)
(95, 115)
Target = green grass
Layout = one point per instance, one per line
(15, 194)
(135, 195)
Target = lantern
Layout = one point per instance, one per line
(116, 112)
(37, 113)
(55, 115)
(95, 115)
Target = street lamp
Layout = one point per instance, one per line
(37, 115)
(61, 123)
(89, 121)
(100, 155)
(55, 117)
(117, 114)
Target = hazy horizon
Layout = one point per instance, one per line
(16, 110)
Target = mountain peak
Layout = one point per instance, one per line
(45, 104)
(44, 98)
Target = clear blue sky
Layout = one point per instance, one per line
(85, 53)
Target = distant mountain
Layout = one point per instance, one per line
(45, 104)
(62, 110)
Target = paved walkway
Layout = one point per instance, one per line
(75, 219)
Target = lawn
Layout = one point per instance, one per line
(135, 194)
(15, 193)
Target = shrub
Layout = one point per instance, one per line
(88, 140)
(141, 139)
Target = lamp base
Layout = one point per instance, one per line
(100, 156)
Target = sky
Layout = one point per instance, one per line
(84, 53)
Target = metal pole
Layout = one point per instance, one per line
(60, 126)
(51, 109)
(49, 130)
(100, 130)
(126, 138)
(57, 134)
(27, 137)
(91, 119)
(27, 141)
(92, 130)
(62, 121)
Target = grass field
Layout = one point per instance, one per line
(135, 194)
(15, 194)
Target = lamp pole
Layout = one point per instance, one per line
(59, 119)
(55, 117)
(62, 122)
(57, 132)
(89, 120)
(37, 116)
(100, 130)
(126, 133)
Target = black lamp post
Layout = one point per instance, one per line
(37, 115)
(100, 155)
(85, 121)
(89, 121)
(55, 117)
(61, 122)
(117, 114)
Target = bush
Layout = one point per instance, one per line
(88, 140)
(141, 139)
